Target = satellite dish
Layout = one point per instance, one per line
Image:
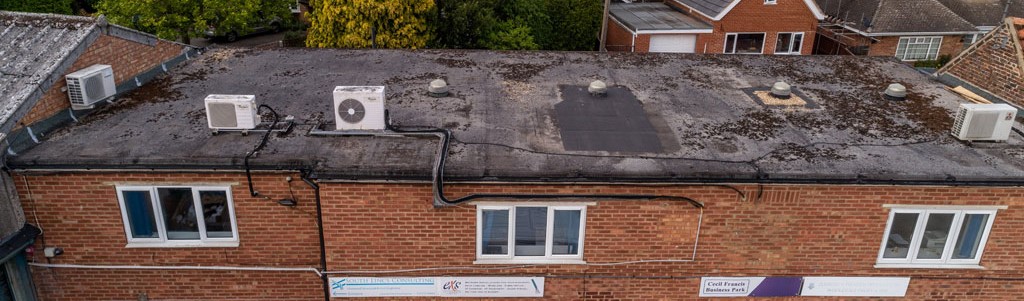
(351, 110)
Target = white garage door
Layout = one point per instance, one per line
(679, 43)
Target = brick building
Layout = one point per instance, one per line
(911, 30)
(782, 27)
(38, 50)
(684, 175)
(993, 66)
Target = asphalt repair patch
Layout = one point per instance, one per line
(615, 122)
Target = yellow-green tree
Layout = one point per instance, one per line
(367, 23)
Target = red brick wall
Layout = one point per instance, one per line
(886, 46)
(993, 66)
(812, 230)
(80, 213)
(619, 38)
(126, 58)
(754, 16)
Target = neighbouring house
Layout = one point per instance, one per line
(680, 177)
(993, 66)
(36, 52)
(911, 30)
(782, 27)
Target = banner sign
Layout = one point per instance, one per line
(855, 286)
(437, 287)
(749, 286)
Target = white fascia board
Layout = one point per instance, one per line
(726, 10)
(616, 20)
(673, 31)
(698, 11)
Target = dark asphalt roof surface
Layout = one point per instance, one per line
(502, 114)
(654, 16)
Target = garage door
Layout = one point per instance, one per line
(679, 43)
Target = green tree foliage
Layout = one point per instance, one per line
(38, 6)
(463, 24)
(365, 23)
(184, 19)
(518, 24)
(575, 24)
(510, 36)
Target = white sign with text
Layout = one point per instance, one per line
(437, 287)
(855, 286)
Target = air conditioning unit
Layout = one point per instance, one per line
(984, 122)
(232, 112)
(359, 108)
(90, 85)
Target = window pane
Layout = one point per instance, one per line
(749, 43)
(494, 232)
(179, 213)
(566, 237)
(798, 41)
(141, 220)
(971, 230)
(730, 44)
(935, 233)
(900, 234)
(216, 215)
(531, 230)
(783, 43)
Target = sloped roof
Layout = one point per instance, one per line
(509, 119)
(655, 17)
(898, 16)
(35, 49)
(716, 9)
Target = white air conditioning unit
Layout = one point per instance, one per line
(359, 108)
(231, 112)
(90, 85)
(984, 122)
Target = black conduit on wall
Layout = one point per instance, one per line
(320, 231)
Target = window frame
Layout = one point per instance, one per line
(162, 241)
(946, 260)
(929, 56)
(799, 47)
(771, 2)
(548, 257)
(725, 44)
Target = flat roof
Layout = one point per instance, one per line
(502, 113)
(654, 17)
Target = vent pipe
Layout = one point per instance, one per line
(896, 92)
(598, 88)
(781, 90)
(438, 88)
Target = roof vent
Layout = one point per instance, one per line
(896, 92)
(438, 88)
(782, 90)
(598, 88)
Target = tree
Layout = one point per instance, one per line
(38, 6)
(463, 24)
(510, 36)
(183, 19)
(366, 23)
(578, 24)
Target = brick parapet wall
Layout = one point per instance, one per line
(994, 66)
(795, 230)
(127, 59)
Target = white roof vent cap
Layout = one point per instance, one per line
(781, 90)
(438, 88)
(896, 92)
(598, 88)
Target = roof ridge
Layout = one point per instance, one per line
(949, 10)
(22, 17)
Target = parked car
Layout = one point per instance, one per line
(231, 34)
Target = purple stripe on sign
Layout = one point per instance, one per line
(778, 287)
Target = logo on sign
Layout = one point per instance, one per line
(452, 286)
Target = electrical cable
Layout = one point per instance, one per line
(263, 142)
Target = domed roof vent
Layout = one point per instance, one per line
(598, 88)
(782, 90)
(896, 92)
(438, 88)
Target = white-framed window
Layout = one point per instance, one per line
(918, 48)
(178, 216)
(941, 237)
(770, 2)
(744, 43)
(789, 43)
(530, 233)
(294, 7)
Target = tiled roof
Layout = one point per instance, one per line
(884, 16)
(34, 49)
(654, 16)
(708, 7)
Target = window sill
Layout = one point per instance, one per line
(217, 244)
(529, 261)
(928, 266)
